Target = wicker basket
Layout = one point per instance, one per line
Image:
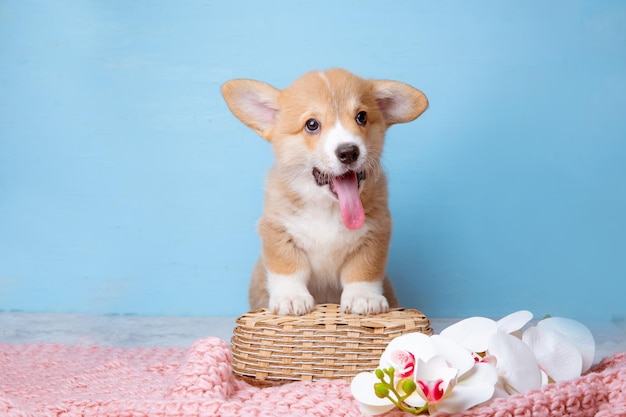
(269, 349)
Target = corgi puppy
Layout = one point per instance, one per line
(326, 227)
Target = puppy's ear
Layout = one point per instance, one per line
(254, 103)
(399, 102)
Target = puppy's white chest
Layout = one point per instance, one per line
(319, 231)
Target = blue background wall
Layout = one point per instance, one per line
(127, 187)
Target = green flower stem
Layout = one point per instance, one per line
(385, 389)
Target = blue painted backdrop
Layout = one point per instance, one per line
(126, 186)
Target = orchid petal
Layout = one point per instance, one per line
(457, 356)
(362, 388)
(480, 373)
(516, 363)
(514, 321)
(475, 387)
(471, 333)
(463, 397)
(416, 343)
(436, 368)
(373, 410)
(416, 400)
(545, 380)
(499, 391)
(560, 358)
(575, 332)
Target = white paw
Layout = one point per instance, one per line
(365, 305)
(295, 305)
(364, 298)
(289, 294)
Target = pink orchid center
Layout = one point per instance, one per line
(484, 358)
(433, 391)
(405, 363)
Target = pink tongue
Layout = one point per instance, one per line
(347, 189)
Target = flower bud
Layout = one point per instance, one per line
(408, 386)
(381, 390)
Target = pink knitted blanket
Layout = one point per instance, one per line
(62, 380)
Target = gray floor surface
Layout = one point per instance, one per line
(130, 331)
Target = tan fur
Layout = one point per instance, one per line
(301, 230)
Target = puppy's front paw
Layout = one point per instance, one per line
(365, 305)
(295, 305)
(363, 298)
(289, 295)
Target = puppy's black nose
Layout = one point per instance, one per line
(347, 153)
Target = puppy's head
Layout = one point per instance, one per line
(327, 129)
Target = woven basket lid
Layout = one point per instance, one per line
(269, 349)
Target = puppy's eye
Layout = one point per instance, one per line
(312, 126)
(361, 118)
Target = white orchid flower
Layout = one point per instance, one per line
(493, 342)
(564, 348)
(442, 375)
(518, 370)
(474, 333)
(473, 361)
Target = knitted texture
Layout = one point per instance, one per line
(62, 380)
